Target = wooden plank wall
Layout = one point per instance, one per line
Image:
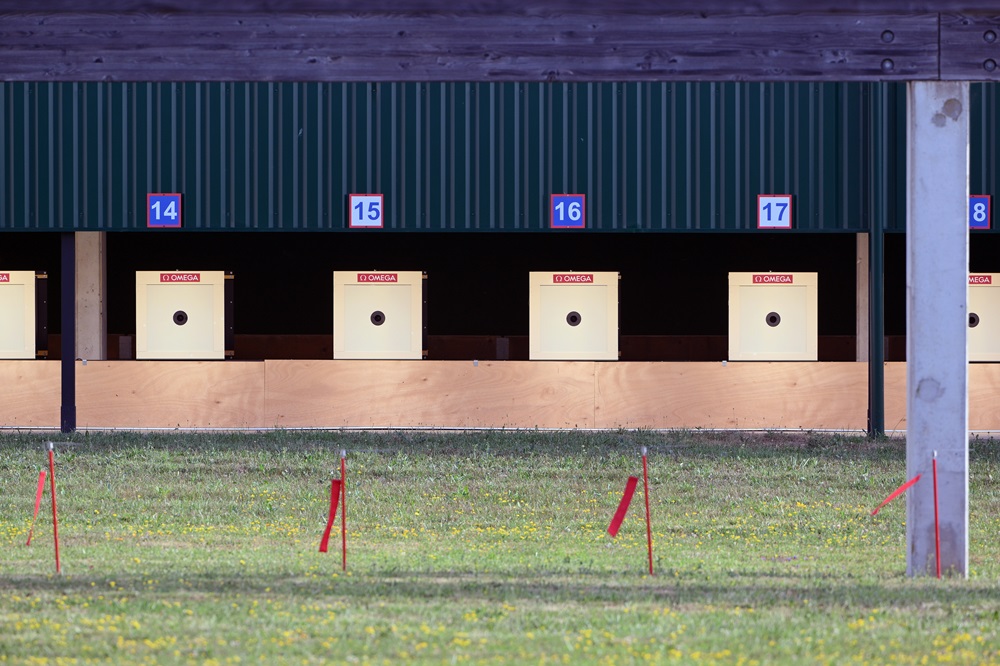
(448, 43)
(29, 394)
(467, 394)
(495, 394)
(169, 394)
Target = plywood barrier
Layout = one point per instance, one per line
(30, 394)
(496, 394)
(742, 395)
(169, 394)
(895, 397)
(984, 396)
(467, 394)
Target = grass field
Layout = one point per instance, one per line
(482, 548)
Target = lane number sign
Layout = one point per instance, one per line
(979, 211)
(774, 211)
(568, 211)
(365, 211)
(163, 211)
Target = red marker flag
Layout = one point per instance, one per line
(616, 521)
(896, 493)
(334, 497)
(38, 503)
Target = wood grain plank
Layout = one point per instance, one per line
(493, 394)
(895, 397)
(460, 47)
(169, 394)
(756, 396)
(30, 394)
(970, 47)
(984, 396)
(509, 6)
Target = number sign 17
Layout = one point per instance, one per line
(568, 211)
(364, 211)
(163, 210)
(774, 211)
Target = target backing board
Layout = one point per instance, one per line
(180, 315)
(984, 317)
(573, 316)
(378, 315)
(17, 314)
(772, 316)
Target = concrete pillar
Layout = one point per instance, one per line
(861, 299)
(937, 250)
(91, 277)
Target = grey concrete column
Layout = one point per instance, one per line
(91, 278)
(937, 250)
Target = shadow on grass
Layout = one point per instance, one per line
(735, 589)
(491, 442)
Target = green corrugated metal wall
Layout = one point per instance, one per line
(460, 156)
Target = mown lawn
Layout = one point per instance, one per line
(482, 548)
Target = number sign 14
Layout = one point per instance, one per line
(365, 211)
(774, 211)
(568, 211)
(163, 210)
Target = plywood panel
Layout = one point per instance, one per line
(895, 398)
(29, 394)
(169, 394)
(492, 394)
(984, 396)
(735, 395)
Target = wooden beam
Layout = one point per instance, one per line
(861, 308)
(970, 47)
(445, 46)
(521, 7)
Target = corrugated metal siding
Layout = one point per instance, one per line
(984, 149)
(447, 156)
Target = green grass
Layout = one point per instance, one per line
(482, 548)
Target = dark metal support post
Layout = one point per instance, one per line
(68, 331)
(876, 330)
(876, 195)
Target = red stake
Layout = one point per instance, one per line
(937, 524)
(55, 518)
(38, 503)
(343, 508)
(649, 527)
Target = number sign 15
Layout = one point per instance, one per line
(568, 211)
(163, 210)
(774, 211)
(364, 211)
(979, 211)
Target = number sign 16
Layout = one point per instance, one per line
(163, 210)
(568, 211)
(364, 211)
(979, 211)
(774, 211)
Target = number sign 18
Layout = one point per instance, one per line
(774, 211)
(568, 211)
(163, 210)
(364, 211)
(979, 211)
